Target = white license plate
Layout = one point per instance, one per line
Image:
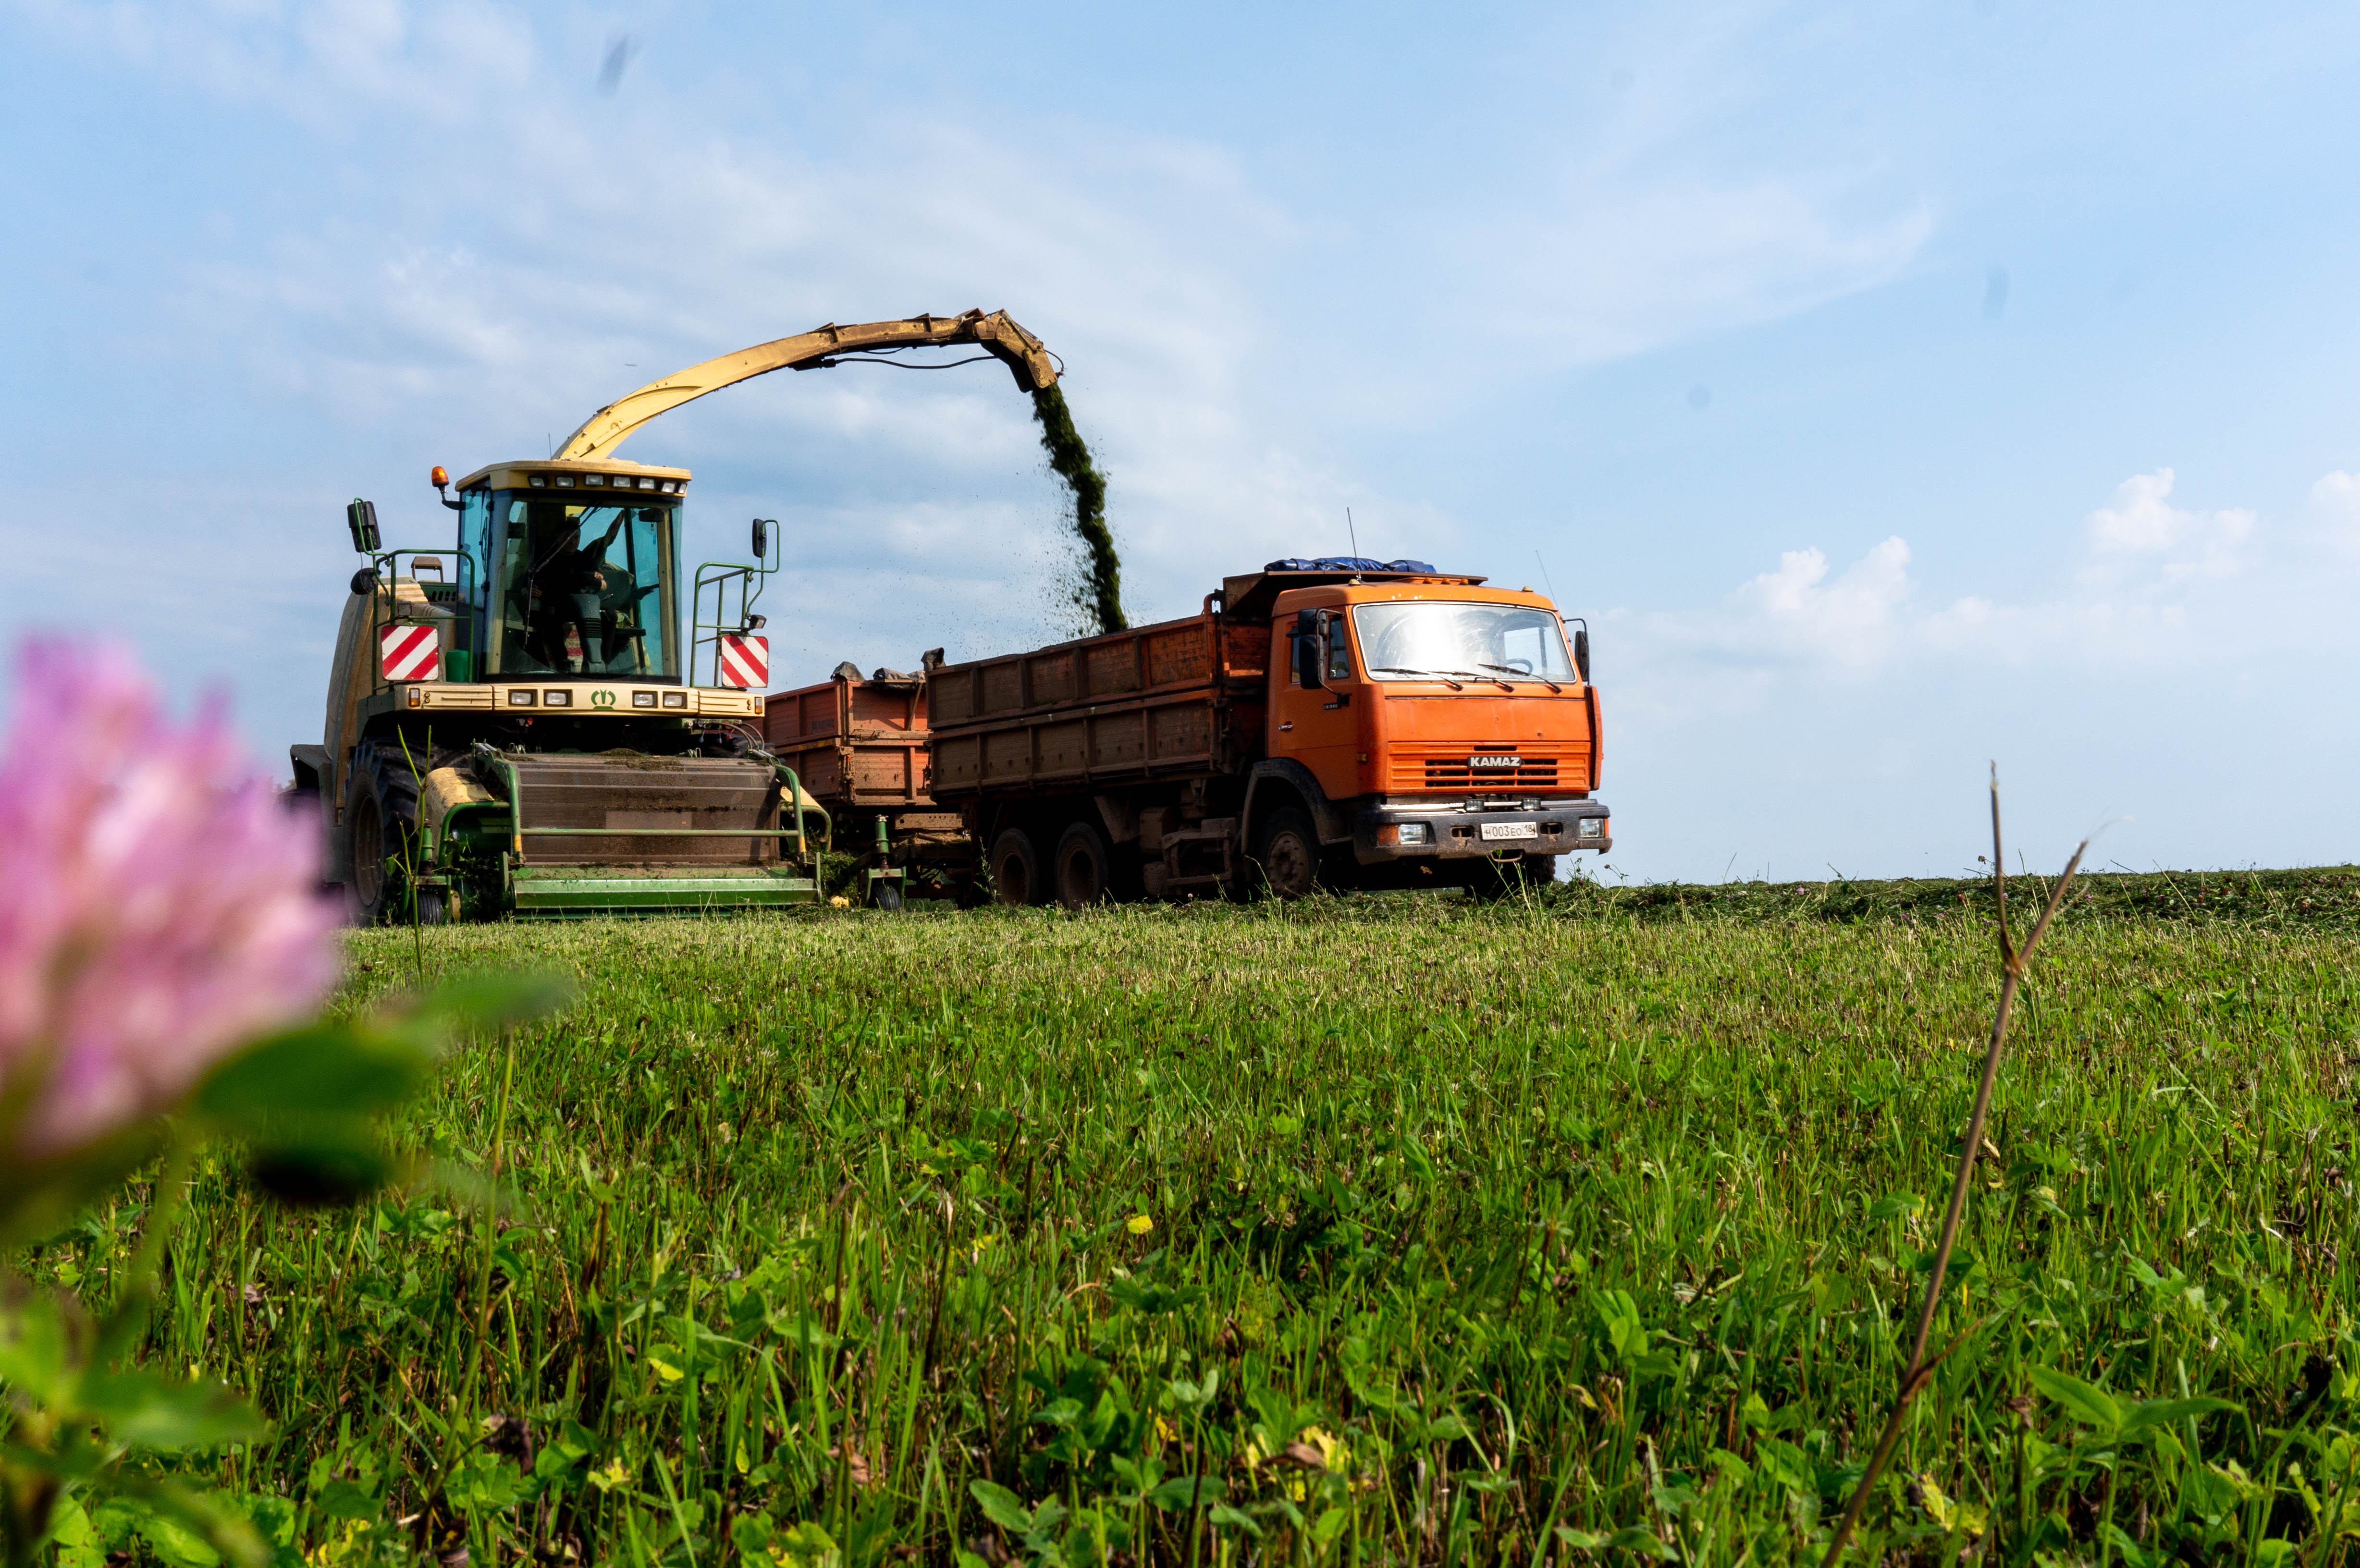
(1512, 830)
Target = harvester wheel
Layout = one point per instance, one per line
(382, 822)
(1290, 854)
(1016, 878)
(1084, 874)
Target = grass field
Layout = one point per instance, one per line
(1379, 1230)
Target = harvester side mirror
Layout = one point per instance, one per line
(361, 518)
(762, 537)
(1308, 660)
(1581, 652)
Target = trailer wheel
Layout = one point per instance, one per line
(382, 826)
(1289, 853)
(1085, 872)
(1016, 878)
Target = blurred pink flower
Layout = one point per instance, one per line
(159, 907)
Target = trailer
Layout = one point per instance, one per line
(1338, 723)
(859, 744)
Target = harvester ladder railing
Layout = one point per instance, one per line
(388, 608)
(717, 575)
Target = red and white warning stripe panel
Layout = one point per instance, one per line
(410, 653)
(744, 661)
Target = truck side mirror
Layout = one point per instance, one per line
(1307, 654)
(1581, 652)
(361, 518)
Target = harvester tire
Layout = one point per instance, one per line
(1016, 878)
(1084, 869)
(382, 824)
(1289, 854)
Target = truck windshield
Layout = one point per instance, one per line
(1490, 642)
(582, 588)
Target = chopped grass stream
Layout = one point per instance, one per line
(1375, 1230)
(1101, 591)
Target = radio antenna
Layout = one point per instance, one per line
(1351, 532)
(1545, 576)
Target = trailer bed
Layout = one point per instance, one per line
(854, 742)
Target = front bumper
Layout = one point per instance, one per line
(1455, 830)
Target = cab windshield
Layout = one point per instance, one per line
(1490, 642)
(581, 589)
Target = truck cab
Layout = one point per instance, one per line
(1427, 724)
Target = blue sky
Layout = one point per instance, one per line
(1893, 389)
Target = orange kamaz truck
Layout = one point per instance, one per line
(1337, 723)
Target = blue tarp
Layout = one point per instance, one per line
(1345, 564)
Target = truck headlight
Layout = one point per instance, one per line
(1591, 827)
(1416, 832)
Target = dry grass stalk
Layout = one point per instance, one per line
(2014, 962)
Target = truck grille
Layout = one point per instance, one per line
(1429, 767)
(1533, 773)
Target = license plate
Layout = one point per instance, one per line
(1497, 760)
(1512, 830)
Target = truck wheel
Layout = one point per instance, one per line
(381, 823)
(1290, 854)
(1084, 873)
(1016, 869)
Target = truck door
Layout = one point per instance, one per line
(1319, 726)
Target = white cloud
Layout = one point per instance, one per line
(1848, 623)
(1631, 260)
(2336, 506)
(2153, 588)
(2141, 532)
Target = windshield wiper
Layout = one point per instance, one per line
(1442, 675)
(1528, 675)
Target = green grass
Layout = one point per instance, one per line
(1581, 1229)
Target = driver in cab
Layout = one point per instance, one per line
(569, 584)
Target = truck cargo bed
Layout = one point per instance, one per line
(1179, 698)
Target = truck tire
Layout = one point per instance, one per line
(381, 825)
(1289, 854)
(1016, 878)
(1085, 870)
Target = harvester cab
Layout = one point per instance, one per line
(519, 721)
